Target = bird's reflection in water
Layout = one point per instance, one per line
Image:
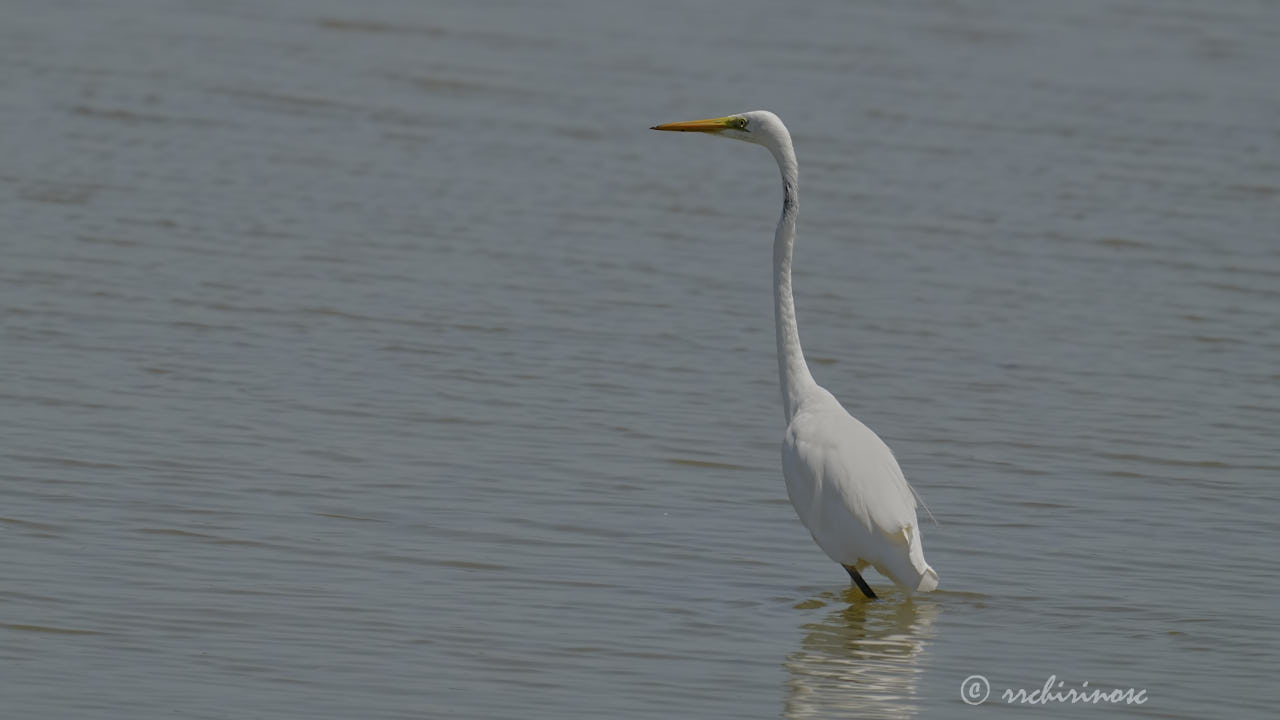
(862, 658)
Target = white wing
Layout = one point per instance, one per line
(850, 493)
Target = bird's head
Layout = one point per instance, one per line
(759, 127)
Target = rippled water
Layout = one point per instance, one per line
(375, 360)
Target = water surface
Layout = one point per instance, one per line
(377, 361)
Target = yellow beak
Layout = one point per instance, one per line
(709, 125)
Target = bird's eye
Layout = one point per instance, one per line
(741, 123)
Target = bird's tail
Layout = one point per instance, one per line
(911, 571)
(928, 580)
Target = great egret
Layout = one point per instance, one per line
(842, 479)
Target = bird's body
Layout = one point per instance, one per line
(841, 478)
(850, 493)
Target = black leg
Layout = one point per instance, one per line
(862, 584)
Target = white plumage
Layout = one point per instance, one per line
(842, 479)
(848, 490)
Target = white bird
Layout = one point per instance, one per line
(842, 479)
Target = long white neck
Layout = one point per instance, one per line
(793, 372)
